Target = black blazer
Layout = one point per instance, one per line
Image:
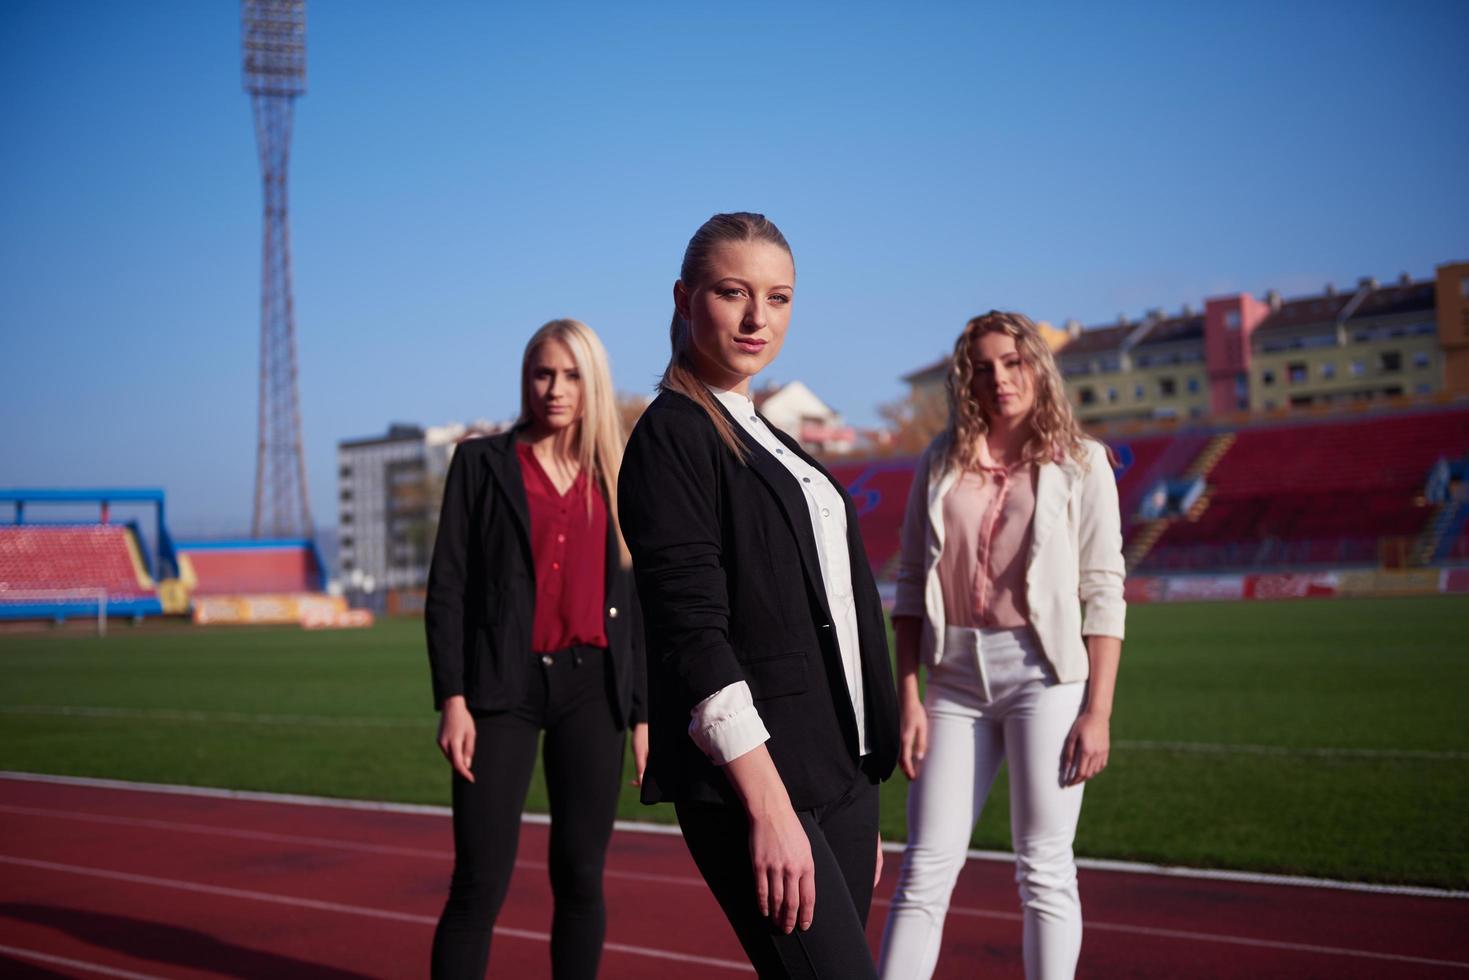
(482, 590)
(727, 570)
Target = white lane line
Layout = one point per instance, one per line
(1238, 748)
(106, 971)
(445, 854)
(419, 853)
(196, 717)
(681, 880)
(323, 906)
(234, 833)
(1212, 937)
(344, 721)
(690, 881)
(671, 830)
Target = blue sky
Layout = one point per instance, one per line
(463, 172)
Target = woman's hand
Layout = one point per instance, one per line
(913, 735)
(1086, 749)
(785, 872)
(456, 735)
(780, 851)
(639, 752)
(877, 875)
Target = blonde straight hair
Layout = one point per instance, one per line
(1055, 431)
(598, 435)
(679, 376)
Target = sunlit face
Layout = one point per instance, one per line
(738, 316)
(555, 387)
(1003, 382)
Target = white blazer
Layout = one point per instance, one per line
(1075, 554)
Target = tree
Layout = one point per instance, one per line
(914, 420)
(630, 409)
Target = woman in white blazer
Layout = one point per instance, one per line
(1010, 593)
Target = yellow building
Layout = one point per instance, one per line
(1409, 339)
(1339, 347)
(1146, 369)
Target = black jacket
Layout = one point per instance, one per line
(728, 574)
(482, 589)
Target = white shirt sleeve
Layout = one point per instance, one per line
(725, 725)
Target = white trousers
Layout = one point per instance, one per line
(992, 699)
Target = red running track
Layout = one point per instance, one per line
(125, 882)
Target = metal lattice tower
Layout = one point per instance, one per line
(275, 74)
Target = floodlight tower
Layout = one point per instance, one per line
(275, 74)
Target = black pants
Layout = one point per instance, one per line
(569, 697)
(843, 839)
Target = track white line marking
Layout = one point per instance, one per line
(196, 717)
(1212, 937)
(344, 721)
(419, 853)
(679, 880)
(671, 830)
(1237, 748)
(106, 971)
(362, 910)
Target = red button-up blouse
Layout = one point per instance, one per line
(570, 550)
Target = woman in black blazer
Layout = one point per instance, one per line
(770, 691)
(533, 625)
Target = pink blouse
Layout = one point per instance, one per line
(987, 533)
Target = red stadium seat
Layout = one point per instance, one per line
(40, 559)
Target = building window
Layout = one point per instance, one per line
(345, 472)
(1421, 359)
(1231, 318)
(1359, 368)
(1328, 370)
(1296, 371)
(1464, 287)
(1087, 396)
(1111, 395)
(1267, 377)
(1139, 393)
(345, 541)
(1423, 388)
(1390, 360)
(345, 518)
(346, 495)
(1193, 386)
(1167, 387)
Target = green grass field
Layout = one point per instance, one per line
(1316, 737)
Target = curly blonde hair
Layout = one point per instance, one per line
(1055, 433)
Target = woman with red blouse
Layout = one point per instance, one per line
(533, 627)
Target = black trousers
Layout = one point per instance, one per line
(843, 839)
(569, 697)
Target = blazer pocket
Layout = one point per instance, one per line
(778, 676)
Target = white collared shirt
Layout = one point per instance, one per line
(726, 725)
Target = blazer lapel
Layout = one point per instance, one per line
(506, 470)
(792, 501)
(1052, 491)
(937, 490)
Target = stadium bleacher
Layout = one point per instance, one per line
(251, 567)
(39, 558)
(1285, 495)
(56, 571)
(1324, 493)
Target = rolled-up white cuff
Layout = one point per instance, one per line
(726, 725)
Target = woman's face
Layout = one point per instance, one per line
(555, 387)
(738, 315)
(1003, 382)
